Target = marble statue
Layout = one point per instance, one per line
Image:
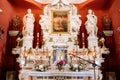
(28, 22)
(91, 23)
(45, 20)
(42, 22)
(28, 29)
(76, 23)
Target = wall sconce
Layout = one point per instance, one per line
(1, 32)
(118, 29)
(1, 10)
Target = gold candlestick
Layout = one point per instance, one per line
(37, 45)
(83, 43)
(94, 52)
(25, 55)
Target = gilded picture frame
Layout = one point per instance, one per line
(60, 22)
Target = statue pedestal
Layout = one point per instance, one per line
(92, 41)
(28, 42)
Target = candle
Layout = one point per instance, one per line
(49, 54)
(82, 34)
(37, 34)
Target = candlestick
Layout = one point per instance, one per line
(82, 34)
(37, 44)
(83, 42)
(38, 35)
(94, 52)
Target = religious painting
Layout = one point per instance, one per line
(60, 22)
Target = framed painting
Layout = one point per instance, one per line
(60, 22)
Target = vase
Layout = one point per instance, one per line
(59, 67)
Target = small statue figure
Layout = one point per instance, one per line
(102, 40)
(19, 39)
(91, 23)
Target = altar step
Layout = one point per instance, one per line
(62, 78)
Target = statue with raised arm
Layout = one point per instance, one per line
(91, 23)
(28, 22)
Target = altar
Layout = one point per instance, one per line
(60, 24)
(56, 75)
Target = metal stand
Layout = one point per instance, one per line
(93, 63)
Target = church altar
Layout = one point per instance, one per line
(60, 26)
(56, 75)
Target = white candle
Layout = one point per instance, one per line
(49, 54)
(82, 34)
(37, 34)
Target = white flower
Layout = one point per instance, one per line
(75, 65)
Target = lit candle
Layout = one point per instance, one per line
(82, 34)
(37, 34)
(49, 54)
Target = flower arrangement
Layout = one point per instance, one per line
(41, 67)
(60, 64)
(76, 67)
(80, 65)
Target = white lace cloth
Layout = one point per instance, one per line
(36, 75)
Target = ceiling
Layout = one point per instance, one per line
(70, 1)
(97, 4)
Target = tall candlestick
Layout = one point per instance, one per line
(37, 34)
(83, 43)
(82, 34)
(37, 45)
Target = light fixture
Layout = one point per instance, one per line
(1, 10)
(118, 29)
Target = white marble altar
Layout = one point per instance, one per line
(59, 45)
(53, 75)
